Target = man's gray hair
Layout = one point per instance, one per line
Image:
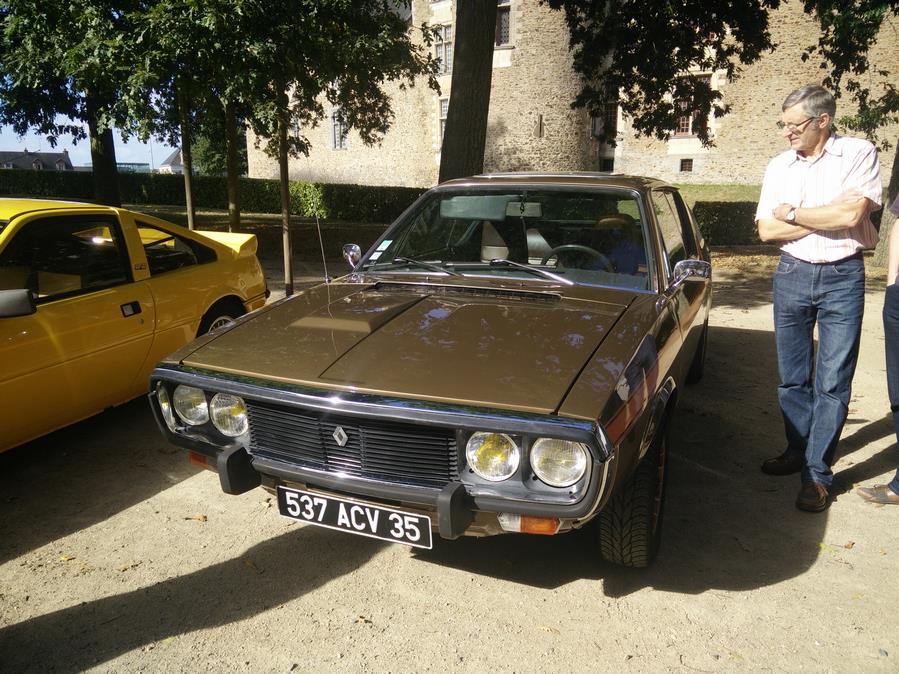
(815, 100)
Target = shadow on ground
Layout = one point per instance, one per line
(83, 474)
(85, 635)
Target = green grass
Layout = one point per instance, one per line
(694, 193)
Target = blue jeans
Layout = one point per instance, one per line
(815, 387)
(891, 340)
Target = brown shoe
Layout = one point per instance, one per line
(785, 464)
(880, 493)
(812, 497)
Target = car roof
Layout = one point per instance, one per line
(573, 178)
(14, 207)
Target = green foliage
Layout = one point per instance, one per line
(727, 223)
(636, 54)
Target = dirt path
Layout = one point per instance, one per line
(117, 555)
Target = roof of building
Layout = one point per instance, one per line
(23, 159)
(174, 159)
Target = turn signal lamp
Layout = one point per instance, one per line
(528, 524)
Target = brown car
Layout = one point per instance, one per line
(505, 358)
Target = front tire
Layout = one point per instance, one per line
(630, 526)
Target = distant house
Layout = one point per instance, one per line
(172, 163)
(36, 161)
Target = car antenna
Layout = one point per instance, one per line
(321, 246)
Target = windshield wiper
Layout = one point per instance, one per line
(500, 262)
(431, 266)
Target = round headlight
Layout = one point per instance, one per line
(493, 456)
(559, 463)
(190, 404)
(229, 414)
(165, 406)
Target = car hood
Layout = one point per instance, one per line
(502, 349)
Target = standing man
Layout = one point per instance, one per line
(889, 493)
(816, 202)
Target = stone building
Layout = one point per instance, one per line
(531, 125)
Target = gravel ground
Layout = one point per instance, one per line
(117, 555)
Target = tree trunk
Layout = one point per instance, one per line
(285, 198)
(465, 134)
(103, 161)
(187, 164)
(231, 163)
(888, 220)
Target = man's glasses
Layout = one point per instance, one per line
(793, 128)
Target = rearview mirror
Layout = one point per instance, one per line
(18, 302)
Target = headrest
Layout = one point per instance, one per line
(614, 221)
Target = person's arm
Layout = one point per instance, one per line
(893, 264)
(846, 211)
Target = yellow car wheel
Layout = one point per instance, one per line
(220, 314)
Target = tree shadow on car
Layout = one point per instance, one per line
(727, 525)
(87, 634)
(83, 474)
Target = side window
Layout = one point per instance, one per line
(670, 227)
(60, 256)
(166, 251)
(688, 229)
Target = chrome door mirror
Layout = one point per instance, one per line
(352, 253)
(690, 270)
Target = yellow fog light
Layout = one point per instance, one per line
(229, 414)
(493, 456)
(559, 463)
(190, 404)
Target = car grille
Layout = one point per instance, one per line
(381, 450)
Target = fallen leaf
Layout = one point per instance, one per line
(66, 558)
(362, 620)
(249, 564)
(198, 518)
(849, 545)
(551, 630)
(857, 595)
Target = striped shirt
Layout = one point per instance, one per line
(844, 164)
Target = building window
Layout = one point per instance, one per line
(687, 119)
(503, 16)
(36, 165)
(686, 165)
(443, 47)
(606, 164)
(444, 108)
(338, 132)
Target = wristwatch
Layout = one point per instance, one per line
(791, 215)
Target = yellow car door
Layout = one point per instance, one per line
(81, 348)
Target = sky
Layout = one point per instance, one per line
(132, 151)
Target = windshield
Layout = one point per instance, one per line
(591, 237)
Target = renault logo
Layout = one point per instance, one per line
(340, 436)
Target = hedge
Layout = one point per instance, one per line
(357, 203)
(721, 222)
(727, 223)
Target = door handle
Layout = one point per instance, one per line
(130, 308)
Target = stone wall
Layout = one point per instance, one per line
(531, 126)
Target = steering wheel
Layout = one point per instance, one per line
(577, 248)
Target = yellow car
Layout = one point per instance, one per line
(91, 297)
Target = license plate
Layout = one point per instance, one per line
(331, 512)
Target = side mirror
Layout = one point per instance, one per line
(352, 253)
(690, 270)
(18, 302)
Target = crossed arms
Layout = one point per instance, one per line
(847, 210)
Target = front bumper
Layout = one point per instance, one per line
(457, 506)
